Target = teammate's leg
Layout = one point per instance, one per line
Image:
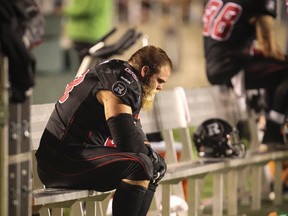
(273, 76)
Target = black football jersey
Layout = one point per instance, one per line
(78, 117)
(226, 24)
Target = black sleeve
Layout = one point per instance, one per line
(126, 135)
(140, 131)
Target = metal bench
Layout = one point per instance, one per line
(54, 198)
(204, 103)
(171, 113)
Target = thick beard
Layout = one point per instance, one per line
(148, 98)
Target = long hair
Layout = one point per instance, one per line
(153, 57)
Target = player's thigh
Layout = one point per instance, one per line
(265, 73)
(100, 168)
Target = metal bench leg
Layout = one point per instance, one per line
(194, 196)
(256, 187)
(99, 209)
(232, 195)
(90, 208)
(77, 209)
(57, 211)
(44, 212)
(105, 203)
(278, 183)
(218, 194)
(244, 191)
(254, 140)
(166, 192)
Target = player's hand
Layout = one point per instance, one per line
(159, 165)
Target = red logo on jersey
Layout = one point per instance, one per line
(109, 142)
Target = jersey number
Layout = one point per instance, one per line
(218, 21)
(71, 86)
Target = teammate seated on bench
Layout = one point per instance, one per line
(230, 31)
(94, 139)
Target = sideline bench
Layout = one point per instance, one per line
(170, 114)
(204, 103)
(57, 199)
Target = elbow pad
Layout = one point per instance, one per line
(125, 134)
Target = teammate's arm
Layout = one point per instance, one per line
(266, 38)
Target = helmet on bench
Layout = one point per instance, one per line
(217, 138)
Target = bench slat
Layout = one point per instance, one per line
(55, 195)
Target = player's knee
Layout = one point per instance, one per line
(147, 165)
(140, 169)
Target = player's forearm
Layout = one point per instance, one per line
(125, 135)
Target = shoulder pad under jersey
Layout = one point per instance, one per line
(120, 78)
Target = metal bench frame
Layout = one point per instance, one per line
(167, 117)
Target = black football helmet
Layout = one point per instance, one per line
(216, 138)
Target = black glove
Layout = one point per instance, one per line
(159, 165)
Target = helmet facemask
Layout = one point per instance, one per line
(236, 147)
